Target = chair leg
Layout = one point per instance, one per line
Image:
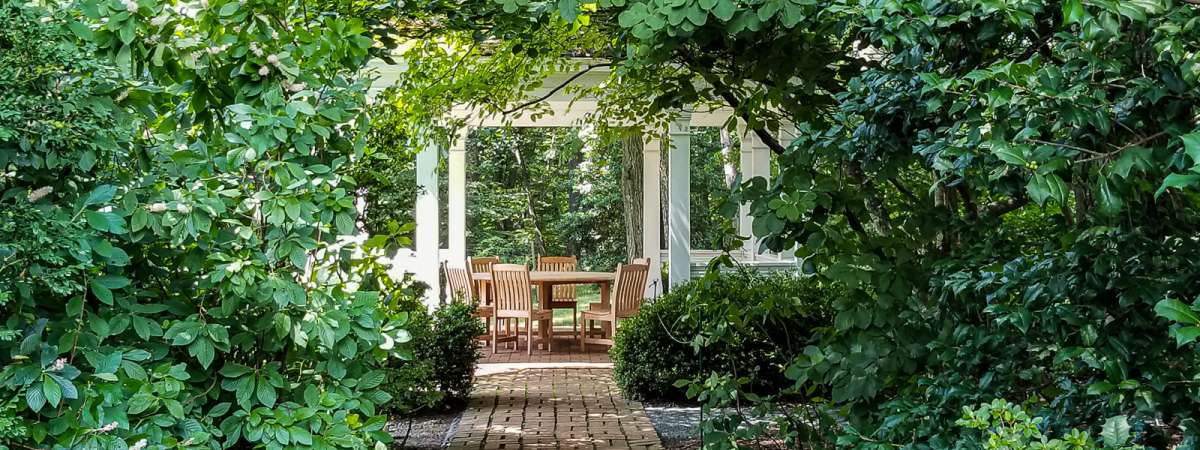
(529, 336)
(581, 333)
(494, 336)
(550, 336)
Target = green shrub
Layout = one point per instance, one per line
(441, 369)
(744, 324)
(1001, 425)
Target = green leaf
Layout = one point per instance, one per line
(1177, 181)
(100, 194)
(265, 393)
(35, 397)
(372, 379)
(52, 391)
(102, 293)
(1072, 11)
(141, 402)
(105, 221)
(1115, 431)
(345, 223)
(1191, 146)
(228, 9)
(1047, 187)
(1177, 311)
(1186, 335)
(203, 350)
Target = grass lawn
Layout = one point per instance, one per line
(584, 294)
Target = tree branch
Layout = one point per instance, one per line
(556, 89)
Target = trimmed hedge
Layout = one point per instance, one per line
(741, 322)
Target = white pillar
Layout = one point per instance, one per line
(426, 243)
(755, 162)
(652, 212)
(679, 191)
(457, 203)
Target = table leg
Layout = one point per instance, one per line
(545, 296)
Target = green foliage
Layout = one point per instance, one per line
(441, 370)
(740, 325)
(1007, 426)
(173, 192)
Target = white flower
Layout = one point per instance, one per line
(40, 193)
(213, 50)
(264, 71)
(107, 428)
(274, 34)
(297, 87)
(182, 208)
(273, 59)
(59, 364)
(139, 445)
(159, 21)
(131, 6)
(158, 207)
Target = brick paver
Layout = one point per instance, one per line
(567, 408)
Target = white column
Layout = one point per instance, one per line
(428, 225)
(457, 203)
(679, 190)
(652, 212)
(755, 162)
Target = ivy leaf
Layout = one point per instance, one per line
(1115, 432)
(1176, 311)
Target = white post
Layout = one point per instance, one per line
(457, 190)
(756, 162)
(652, 212)
(428, 226)
(679, 191)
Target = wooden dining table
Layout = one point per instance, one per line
(546, 280)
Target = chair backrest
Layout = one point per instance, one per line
(560, 264)
(512, 287)
(459, 282)
(640, 261)
(482, 264)
(630, 288)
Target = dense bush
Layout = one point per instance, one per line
(173, 191)
(742, 324)
(441, 369)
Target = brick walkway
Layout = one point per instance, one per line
(517, 404)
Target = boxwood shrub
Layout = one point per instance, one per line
(744, 323)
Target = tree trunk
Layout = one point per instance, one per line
(631, 192)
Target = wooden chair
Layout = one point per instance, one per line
(514, 300)
(640, 261)
(458, 281)
(626, 299)
(562, 296)
(482, 264)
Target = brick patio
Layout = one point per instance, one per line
(565, 399)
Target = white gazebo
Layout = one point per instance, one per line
(560, 109)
